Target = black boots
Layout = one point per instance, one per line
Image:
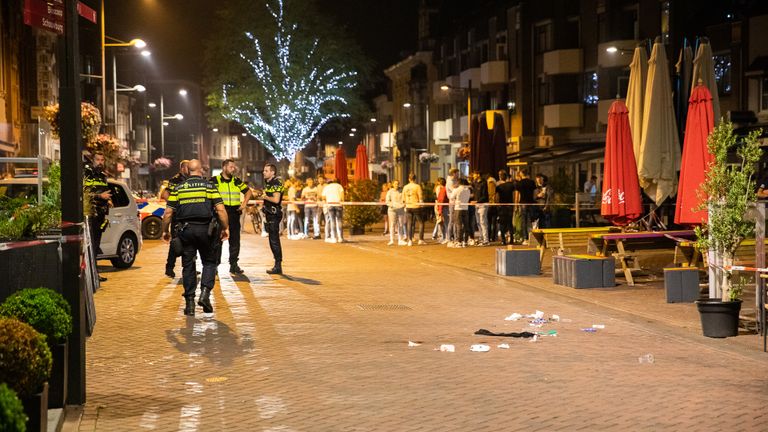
(235, 269)
(205, 300)
(277, 269)
(189, 309)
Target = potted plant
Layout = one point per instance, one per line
(360, 216)
(25, 365)
(12, 417)
(47, 312)
(730, 193)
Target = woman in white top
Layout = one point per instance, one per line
(396, 214)
(460, 196)
(294, 228)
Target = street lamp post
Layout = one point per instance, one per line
(163, 118)
(137, 43)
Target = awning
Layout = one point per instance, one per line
(758, 67)
(566, 152)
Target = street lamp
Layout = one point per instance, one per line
(614, 49)
(137, 43)
(468, 89)
(407, 105)
(137, 88)
(183, 92)
(163, 117)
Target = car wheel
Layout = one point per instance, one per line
(126, 251)
(152, 228)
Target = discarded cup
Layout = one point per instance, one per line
(648, 358)
(503, 346)
(480, 348)
(556, 318)
(447, 348)
(514, 317)
(598, 326)
(413, 344)
(538, 314)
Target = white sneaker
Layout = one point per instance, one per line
(422, 242)
(328, 239)
(401, 243)
(264, 233)
(463, 244)
(390, 243)
(444, 241)
(410, 243)
(333, 240)
(470, 242)
(451, 244)
(525, 242)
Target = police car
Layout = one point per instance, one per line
(121, 242)
(151, 213)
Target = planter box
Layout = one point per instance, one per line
(57, 389)
(30, 267)
(681, 284)
(36, 409)
(584, 271)
(518, 262)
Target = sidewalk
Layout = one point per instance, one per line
(326, 348)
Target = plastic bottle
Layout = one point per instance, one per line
(648, 358)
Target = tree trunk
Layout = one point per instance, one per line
(726, 283)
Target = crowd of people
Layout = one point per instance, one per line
(478, 210)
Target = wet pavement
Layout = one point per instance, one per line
(325, 348)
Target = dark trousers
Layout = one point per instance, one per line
(469, 227)
(493, 226)
(272, 225)
(505, 223)
(96, 223)
(461, 219)
(170, 261)
(194, 238)
(233, 214)
(411, 216)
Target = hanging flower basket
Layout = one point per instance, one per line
(161, 164)
(428, 158)
(462, 153)
(386, 165)
(90, 121)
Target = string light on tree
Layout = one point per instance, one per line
(299, 95)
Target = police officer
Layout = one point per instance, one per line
(230, 188)
(100, 195)
(273, 196)
(195, 203)
(174, 181)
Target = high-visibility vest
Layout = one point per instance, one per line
(230, 190)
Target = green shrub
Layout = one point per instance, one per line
(25, 359)
(42, 308)
(12, 417)
(362, 191)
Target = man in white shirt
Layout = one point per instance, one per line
(460, 197)
(333, 195)
(309, 196)
(451, 183)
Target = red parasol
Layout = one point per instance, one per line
(696, 157)
(621, 202)
(361, 163)
(341, 167)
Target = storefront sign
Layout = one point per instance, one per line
(86, 12)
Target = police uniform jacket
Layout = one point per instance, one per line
(95, 183)
(194, 200)
(230, 190)
(272, 187)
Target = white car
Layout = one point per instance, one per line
(121, 242)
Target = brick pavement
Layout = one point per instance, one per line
(297, 353)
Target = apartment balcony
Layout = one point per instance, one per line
(468, 75)
(621, 57)
(442, 131)
(494, 72)
(564, 115)
(564, 61)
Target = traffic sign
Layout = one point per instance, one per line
(47, 15)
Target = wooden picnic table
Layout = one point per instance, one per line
(691, 256)
(618, 244)
(561, 240)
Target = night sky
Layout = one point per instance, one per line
(176, 29)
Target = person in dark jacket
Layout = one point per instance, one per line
(100, 200)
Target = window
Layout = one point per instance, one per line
(722, 73)
(512, 100)
(589, 89)
(543, 37)
(543, 91)
(764, 95)
(119, 197)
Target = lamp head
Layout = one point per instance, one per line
(179, 116)
(138, 43)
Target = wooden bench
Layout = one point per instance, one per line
(562, 240)
(619, 244)
(690, 256)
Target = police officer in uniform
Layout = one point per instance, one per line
(273, 196)
(230, 188)
(100, 195)
(173, 182)
(195, 203)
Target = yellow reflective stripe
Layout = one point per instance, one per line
(191, 200)
(243, 187)
(191, 194)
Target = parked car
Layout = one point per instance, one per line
(121, 242)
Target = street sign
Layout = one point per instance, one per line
(86, 12)
(47, 15)
(36, 111)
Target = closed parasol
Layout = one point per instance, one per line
(704, 70)
(621, 203)
(361, 163)
(638, 75)
(341, 167)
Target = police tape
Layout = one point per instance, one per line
(383, 204)
(743, 268)
(31, 243)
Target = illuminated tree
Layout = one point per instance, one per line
(292, 91)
